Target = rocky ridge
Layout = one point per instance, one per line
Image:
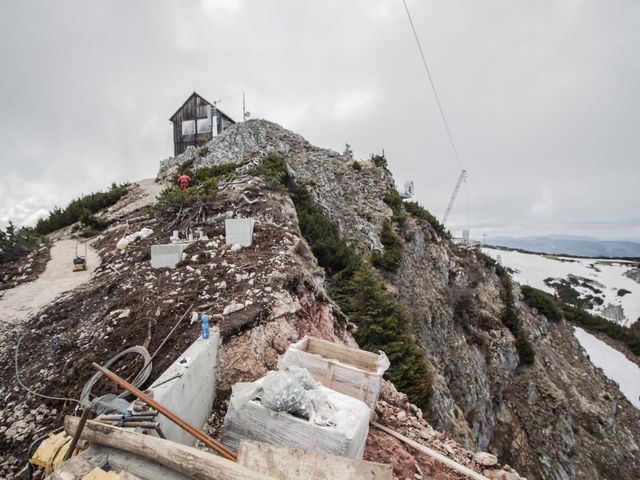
(558, 418)
(262, 297)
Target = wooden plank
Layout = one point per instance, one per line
(432, 453)
(285, 463)
(189, 461)
(99, 474)
(352, 356)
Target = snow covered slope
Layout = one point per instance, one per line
(614, 365)
(605, 286)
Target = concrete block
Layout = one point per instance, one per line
(280, 462)
(239, 231)
(191, 395)
(168, 255)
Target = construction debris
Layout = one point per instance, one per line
(344, 369)
(277, 409)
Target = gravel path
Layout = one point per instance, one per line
(24, 301)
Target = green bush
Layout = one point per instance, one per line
(273, 171)
(543, 302)
(59, 218)
(392, 256)
(596, 323)
(418, 211)
(362, 294)
(379, 160)
(383, 325)
(333, 253)
(16, 243)
(356, 166)
(511, 320)
(204, 184)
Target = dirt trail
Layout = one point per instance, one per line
(18, 304)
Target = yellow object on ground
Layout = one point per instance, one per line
(99, 474)
(51, 452)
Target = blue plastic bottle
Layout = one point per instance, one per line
(205, 326)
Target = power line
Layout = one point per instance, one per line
(435, 93)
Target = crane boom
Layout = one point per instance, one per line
(461, 178)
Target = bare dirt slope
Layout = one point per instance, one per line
(24, 301)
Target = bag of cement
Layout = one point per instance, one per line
(282, 393)
(302, 376)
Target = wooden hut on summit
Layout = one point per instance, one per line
(196, 122)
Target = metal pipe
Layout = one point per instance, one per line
(210, 442)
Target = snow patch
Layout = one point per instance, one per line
(614, 365)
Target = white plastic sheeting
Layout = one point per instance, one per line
(354, 372)
(334, 423)
(133, 237)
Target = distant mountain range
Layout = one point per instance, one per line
(569, 245)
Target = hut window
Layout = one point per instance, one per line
(189, 127)
(204, 125)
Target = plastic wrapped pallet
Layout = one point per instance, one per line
(322, 420)
(347, 370)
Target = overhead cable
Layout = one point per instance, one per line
(433, 86)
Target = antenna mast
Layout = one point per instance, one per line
(461, 178)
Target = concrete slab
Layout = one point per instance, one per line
(280, 462)
(191, 395)
(168, 255)
(239, 231)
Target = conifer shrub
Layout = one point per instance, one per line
(59, 218)
(543, 302)
(333, 253)
(204, 184)
(389, 260)
(379, 160)
(273, 171)
(418, 211)
(511, 320)
(383, 325)
(16, 243)
(360, 291)
(596, 323)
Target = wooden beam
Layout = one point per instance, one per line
(432, 453)
(283, 463)
(188, 461)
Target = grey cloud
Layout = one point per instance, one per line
(541, 97)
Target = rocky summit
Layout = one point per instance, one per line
(476, 373)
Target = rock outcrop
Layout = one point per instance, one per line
(558, 418)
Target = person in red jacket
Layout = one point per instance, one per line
(183, 181)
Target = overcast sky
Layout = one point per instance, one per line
(542, 97)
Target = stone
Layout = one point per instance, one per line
(232, 307)
(485, 459)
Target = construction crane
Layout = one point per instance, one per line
(461, 178)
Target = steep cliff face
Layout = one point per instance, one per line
(558, 417)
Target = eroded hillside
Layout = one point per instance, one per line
(500, 377)
(557, 417)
